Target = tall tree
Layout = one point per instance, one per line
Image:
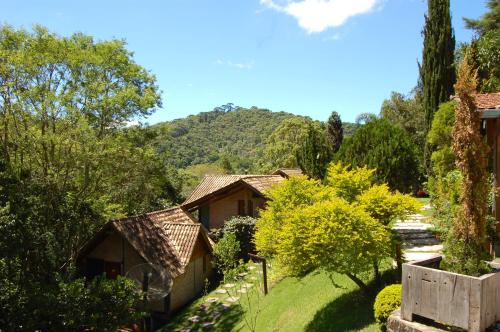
(335, 132)
(437, 71)
(315, 153)
(67, 164)
(485, 48)
(386, 148)
(465, 247)
(490, 21)
(282, 145)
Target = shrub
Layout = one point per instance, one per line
(388, 300)
(244, 229)
(226, 253)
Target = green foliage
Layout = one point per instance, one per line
(226, 253)
(440, 139)
(207, 137)
(407, 113)
(388, 149)
(332, 235)
(69, 305)
(283, 201)
(67, 164)
(388, 300)
(490, 21)
(283, 144)
(386, 207)
(342, 226)
(445, 194)
(348, 182)
(244, 229)
(437, 71)
(306, 227)
(334, 130)
(315, 153)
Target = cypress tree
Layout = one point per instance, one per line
(437, 71)
(314, 154)
(335, 132)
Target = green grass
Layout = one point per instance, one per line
(313, 303)
(425, 201)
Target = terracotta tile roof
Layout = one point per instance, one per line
(485, 101)
(175, 214)
(287, 172)
(163, 238)
(488, 100)
(262, 183)
(211, 184)
(214, 183)
(184, 237)
(151, 242)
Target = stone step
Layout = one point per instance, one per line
(421, 242)
(417, 236)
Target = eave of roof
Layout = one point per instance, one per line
(249, 181)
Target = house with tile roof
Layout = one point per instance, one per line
(219, 197)
(488, 104)
(169, 240)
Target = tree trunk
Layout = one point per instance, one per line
(366, 290)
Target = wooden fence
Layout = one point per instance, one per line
(448, 298)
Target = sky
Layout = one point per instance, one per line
(307, 57)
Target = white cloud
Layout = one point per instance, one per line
(319, 15)
(238, 65)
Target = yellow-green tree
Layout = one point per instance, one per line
(341, 226)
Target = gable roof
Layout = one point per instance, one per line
(287, 172)
(213, 184)
(163, 238)
(151, 242)
(487, 101)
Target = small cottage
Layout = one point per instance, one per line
(488, 104)
(219, 197)
(169, 240)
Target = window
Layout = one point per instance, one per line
(241, 207)
(250, 208)
(204, 214)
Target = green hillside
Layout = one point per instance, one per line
(238, 133)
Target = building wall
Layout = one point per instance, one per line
(113, 249)
(223, 209)
(493, 139)
(189, 285)
(185, 287)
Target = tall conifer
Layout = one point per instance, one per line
(437, 71)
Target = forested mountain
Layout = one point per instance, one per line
(236, 134)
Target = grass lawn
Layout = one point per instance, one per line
(426, 201)
(312, 303)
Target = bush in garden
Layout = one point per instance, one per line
(244, 229)
(226, 252)
(445, 193)
(388, 300)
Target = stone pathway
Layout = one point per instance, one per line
(418, 242)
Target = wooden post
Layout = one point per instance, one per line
(262, 260)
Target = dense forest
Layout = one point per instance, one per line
(227, 132)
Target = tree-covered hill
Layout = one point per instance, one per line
(238, 134)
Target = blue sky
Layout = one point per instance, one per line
(307, 57)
